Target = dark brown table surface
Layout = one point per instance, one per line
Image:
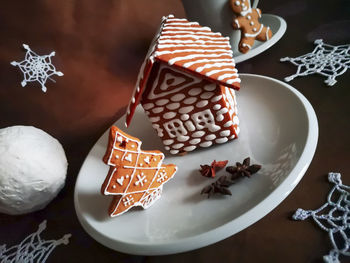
(100, 46)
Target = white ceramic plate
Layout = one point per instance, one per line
(278, 27)
(278, 130)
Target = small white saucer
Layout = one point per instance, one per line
(278, 27)
(279, 130)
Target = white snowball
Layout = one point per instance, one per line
(33, 168)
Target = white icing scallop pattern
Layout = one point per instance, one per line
(190, 100)
(157, 109)
(173, 106)
(207, 95)
(162, 102)
(187, 109)
(195, 91)
(178, 97)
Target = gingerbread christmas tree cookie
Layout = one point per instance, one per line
(135, 177)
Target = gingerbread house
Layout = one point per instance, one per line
(187, 87)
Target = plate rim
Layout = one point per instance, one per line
(266, 45)
(232, 227)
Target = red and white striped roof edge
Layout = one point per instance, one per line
(189, 47)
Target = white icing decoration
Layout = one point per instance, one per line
(198, 134)
(189, 125)
(255, 34)
(173, 106)
(128, 157)
(216, 98)
(191, 63)
(190, 100)
(154, 119)
(249, 17)
(220, 114)
(217, 107)
(161, 177)
(211, 87)
(120, 181)
(228, 124)
(186, 109)
(232, 137)
(141, 178)
(182, 138)
(205, 119)
(194, 91)
(114, 187)
(175, 128)
(162, 102)
(202, 103)
(227, 75)
(169, 115)
(190, 148)
(148, 106)
(195, 141)
(225, 133)
(177, 146)
(174, 151)
(210, 137)
(237, 130)
(221, 140)
(157, 110)
(206, 144)
(168, 142)
(207, 95)
(159, 53)
(178, 97)
(222, 111)
(251, 23)
(167, 148)
(164, 84)
(185, 117)
(147, 160)
(220, 117)
(235, 120)
(129, 200)
(159, 130)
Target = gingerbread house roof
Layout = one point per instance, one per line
(189, 47)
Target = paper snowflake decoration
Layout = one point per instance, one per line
(327, 60)
(37, 68)
(32, 248)
(333, 217)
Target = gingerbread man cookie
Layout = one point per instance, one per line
(247, 21)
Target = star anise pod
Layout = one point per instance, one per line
(243, 169)
(219, 186)
(210, 170)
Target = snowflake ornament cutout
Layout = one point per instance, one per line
(37, 68)
(327, 60)
(32, 248)
(333, 217)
